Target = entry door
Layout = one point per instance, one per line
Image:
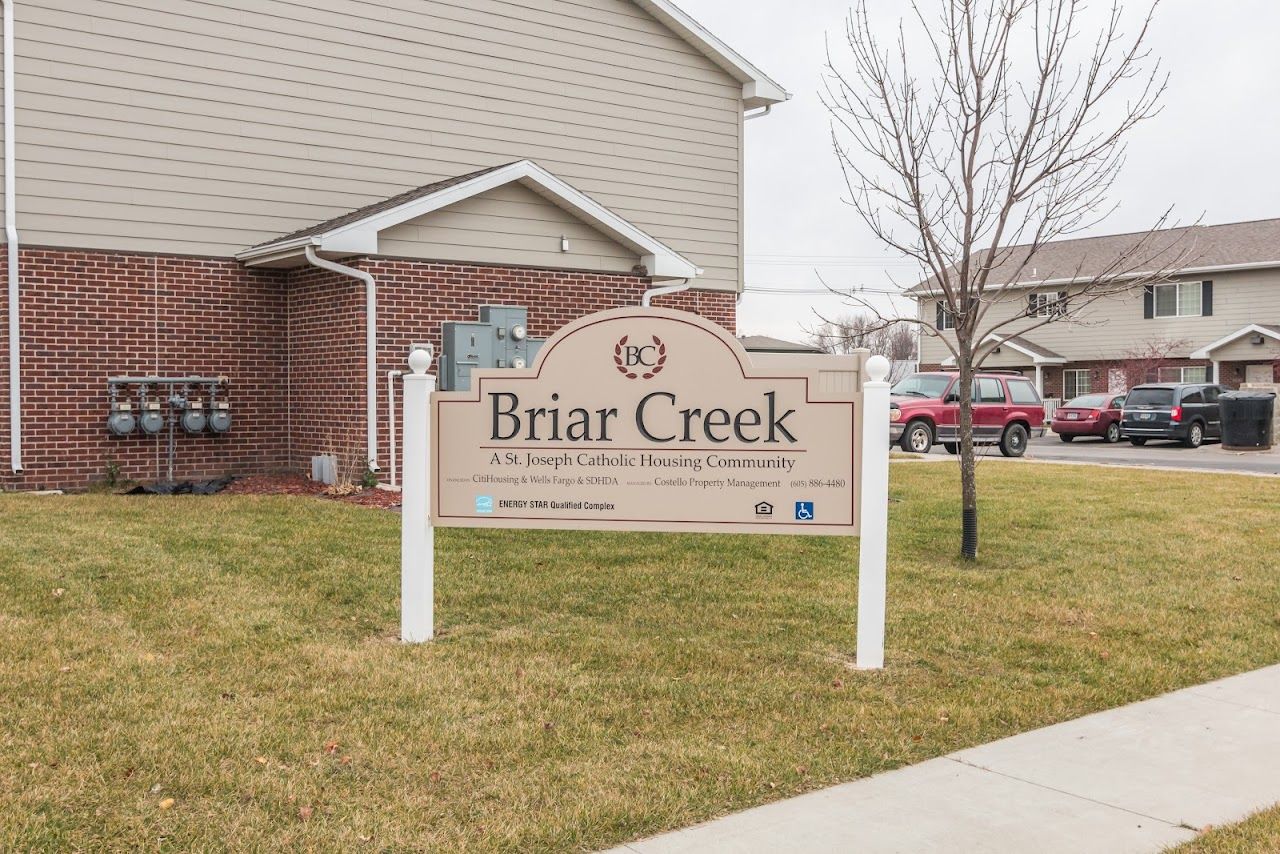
(989, 406)
(1258, 373)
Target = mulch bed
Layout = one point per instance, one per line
(295, 484)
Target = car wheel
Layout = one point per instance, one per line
(1139, 442)
(1064, 437)
(953, 448)
(1195, 435)
(1113, 433)
(917, 438)
(1014, 441)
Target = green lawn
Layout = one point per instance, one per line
(237, 655)
(1258, 833)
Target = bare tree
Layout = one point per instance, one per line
(894, 341)
(1004, 131)
(1142, 364)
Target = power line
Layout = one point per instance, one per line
(830, 292)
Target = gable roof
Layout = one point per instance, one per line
(758, 89)
(1189, 249)
(1038, 355)
(765, 344)
(1266, 330)
(356, 233)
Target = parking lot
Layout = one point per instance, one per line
(1208, 457)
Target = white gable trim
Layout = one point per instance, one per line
(1002, 341)
(361, 237)
(1251, 329)
(758, 89)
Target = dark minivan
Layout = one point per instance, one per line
(1184, 412)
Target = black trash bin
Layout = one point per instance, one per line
(1246, 420)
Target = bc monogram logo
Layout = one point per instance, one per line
(640, 361)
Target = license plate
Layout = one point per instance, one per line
(1146, 416)
(1073, 416)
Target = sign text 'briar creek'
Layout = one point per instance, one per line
(652, 420)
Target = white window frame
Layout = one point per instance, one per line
(1177, 299)
(1075, 383)
(1047, 305)
(1182, 374)
(948, 319)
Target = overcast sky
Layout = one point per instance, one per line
(1213, 152)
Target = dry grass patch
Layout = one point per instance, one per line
(237, 655)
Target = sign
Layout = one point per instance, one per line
(652, 420)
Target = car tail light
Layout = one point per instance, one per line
(1175, 414)
(1094, 413)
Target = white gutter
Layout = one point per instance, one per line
(14, 247)
(371, 345)
(1171, 275)
(663, 291)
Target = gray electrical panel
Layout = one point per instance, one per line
(499, 340)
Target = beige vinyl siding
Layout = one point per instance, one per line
(507, 225)
(1114, 327)
(207, 127)
(1244, 350)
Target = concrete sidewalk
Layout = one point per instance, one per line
(1137, 778)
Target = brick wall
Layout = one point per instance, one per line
(326, 331)
(292, 344)
(87, 315)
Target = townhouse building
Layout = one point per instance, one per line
(1214, 316)
(289, 195)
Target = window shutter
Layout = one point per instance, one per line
(1032, 304)
(940, 324)
(1148, 302)
(1206, 299)
(1062, 304)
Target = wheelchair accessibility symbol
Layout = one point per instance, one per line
(804, 511)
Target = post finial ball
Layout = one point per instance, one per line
(878, 368)
(420, 361)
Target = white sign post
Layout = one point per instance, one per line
(417, 536)
(651, 420)
(873, 544)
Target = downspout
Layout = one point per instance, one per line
(370, 348)
(392, 376)
(663, 291)
(14, 248)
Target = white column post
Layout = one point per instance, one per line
(873, 544)
(1217, 371)
(417, 537)
(1040, 380)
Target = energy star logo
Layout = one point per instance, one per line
(643, 361)
(804, 511)
(484, 503)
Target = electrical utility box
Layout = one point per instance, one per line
(499, 340)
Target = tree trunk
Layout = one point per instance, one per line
(968, 461)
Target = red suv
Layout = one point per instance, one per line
(925, 408)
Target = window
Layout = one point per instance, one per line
(989, 390)
(1076, 383)
(1193, 397)
(923, 385)
(944, 319)
(1184, 375)
(1183, 299)
(1047, 305)
(1023, 393)
(1089, 401)
(1149, 397)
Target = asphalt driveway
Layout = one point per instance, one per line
(1208, 457)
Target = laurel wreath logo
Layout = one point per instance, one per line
(651, 370)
